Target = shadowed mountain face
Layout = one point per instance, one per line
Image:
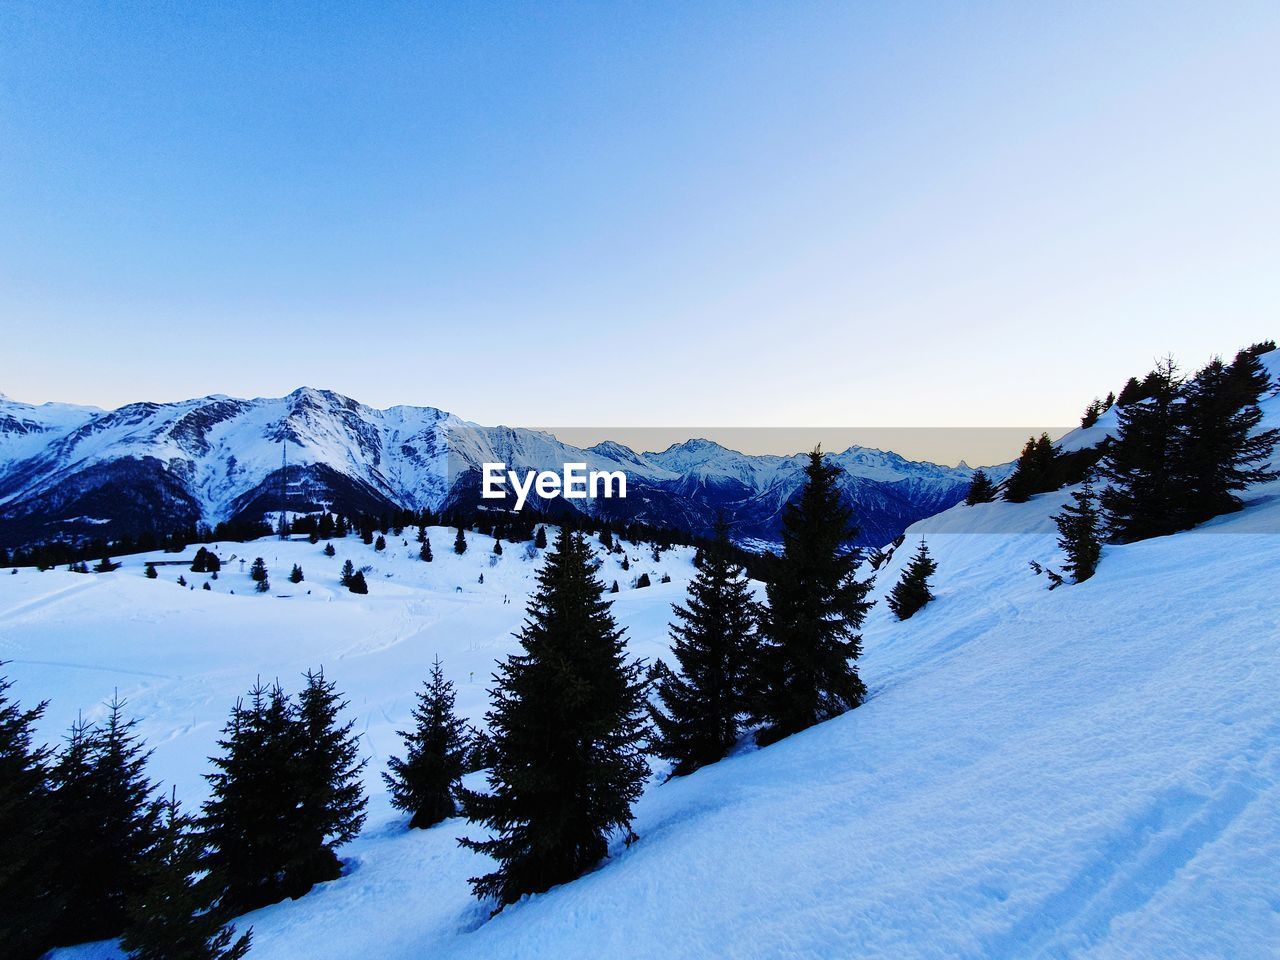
(68, 472)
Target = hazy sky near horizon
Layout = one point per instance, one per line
(930, 214)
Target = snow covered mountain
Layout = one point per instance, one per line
(72, 471)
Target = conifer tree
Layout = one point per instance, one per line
(567, 726)
(107, 819)
(642, 580)
(981, 489)
(425, 782)
(497, 548)
(27, 881)
(381, 543)
(182, 581)
(348, 574)
(807, 670)
(614, 588)
(460, 542)
(263, 586)
(422, 533)
(358, 583)
(1033, 472)
(331, 797)
(911, 592)
(150, 571)
(704, 701)
(1080, 533)
(173, 918)
(1144, 498)
(258, 570)
(295, 575)
(540, 540)
(1092, 413)
(425, 553)
(328, 550)
(1220, 449)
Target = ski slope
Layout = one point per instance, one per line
(1092, 772)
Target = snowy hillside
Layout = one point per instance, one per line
(1089, 772)
(62, 468)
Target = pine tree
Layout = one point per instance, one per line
(27, 880)
(106, 820)
(1092, 413)
(912, 592)
(460, 542)
(331, 797)
(328, 550)
(358, 583)
(540, 540)
(150, 571)
(425, 782)
(1144, 498)
(642, 580)
(425, 553)
(713, 642)
(1220, 449)
(497, 548)
(263, 586)
(981, 489)
(258, 570)
(807, 670)
(295, 575)
(567, 726)
(249, 820)
(381, 543)
(1033, 472)
(1080, 533)
(182, 581)
(614, 588)
(173, 918)
(348, 574)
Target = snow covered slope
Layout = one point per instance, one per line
(77, 471)
(1092, 772)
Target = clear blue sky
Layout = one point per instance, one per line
(636, 214)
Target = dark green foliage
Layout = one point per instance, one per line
(380, 543)
(107, 819)
(206, 561)
(1034, 471)
(497, 548)
(1131, 392)
(460, 542)
(358, 583)
(540, 539)
(258, 570)
(295, 575)
(263, 586)
(1144, 496)
(807, 669)
(567, 725)
(912, 592)
(1220, 450)
(425, 782)
(105, 565)
(1080, 533)
(285, 794)
(425, 553)
(328, 550)
(348, 574)
(206, 586)
(981, 489)
(1092, 413)
(31, 904)
(173, 918)
(150, 571)
(614, 588)
(704, 701)
(642, 580)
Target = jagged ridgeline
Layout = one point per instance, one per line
(80, 474)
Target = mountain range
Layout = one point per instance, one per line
(71, 472)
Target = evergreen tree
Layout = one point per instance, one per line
(107, 819)
(1092, 413)
(912, 592)
(258, 570)
(150, 571)
(328, 550)
(348, 574)
(807, 670)
(358, 583)
(642, 580)
(425, 782)
(249, 820)
(1144, 498)
(182, 581)
(1033, 472)
(981, 489)
(714, 640)
(295, 575)
(567, 724)
(497, 548)
(425, 552)
(381, 543)
(614, 588)
(173, 918)
(263, 586)
(422, 533)
(1220, 449)
(460, 542)
(540, 540)
(1080, 533)
(27, 880)
(331, 797)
